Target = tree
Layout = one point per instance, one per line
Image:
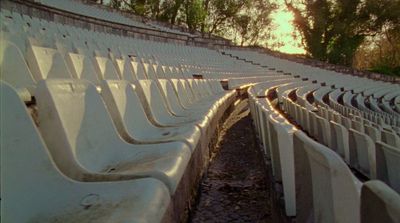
(170, 10)
(245, 20)
(381, 53)
(115, 4)
(253, 22)
(332, 30)
(222, 12)
(194, 13)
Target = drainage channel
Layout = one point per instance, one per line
(237, 185)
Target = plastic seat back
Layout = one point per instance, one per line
(14, 70)
(340, 140)
(387, 164)
(46, 63)
(364, 149)
(323, 177)
(105, 68)
(379, 203)
(82, 67)
(390, 138)
(76, 127)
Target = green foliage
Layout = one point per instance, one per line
(115, 4)
(245, 20)
(169, 10)
(249, 20)
(333, 30)
(194, 13)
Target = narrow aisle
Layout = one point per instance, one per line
(236, 187)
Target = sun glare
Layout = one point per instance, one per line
(283, 32)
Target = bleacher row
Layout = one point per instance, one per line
(373, 100)
(334, 161)
(103, 128)
(97, 127)
(80, 8)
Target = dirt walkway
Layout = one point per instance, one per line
(236, 187)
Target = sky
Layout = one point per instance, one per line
(283, 31)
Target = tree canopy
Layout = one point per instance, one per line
(246, 21)
(332, 30)
(335, 31)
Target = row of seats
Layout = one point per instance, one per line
(25, 32)
(90, 136)
(114, 125)
(363, 146)
(372, 99)
(318, 185)
(94, 133)
(93, 11)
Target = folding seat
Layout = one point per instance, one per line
(326, 190)
(264, 130)
(15, 71)
(185, 95)
(86, 145)
(138, 68)
(197, 91)
(362, 148)
(373, 132)
(158, 69)
(63, 45)
(291, 107)
(336, 117)
(379, 203)
(390, 138)
(256, 117)
(171, 97)
(192, 93)
(166, 70)
(274, 149)
(323, 131)
(82, 67)
(387, 163)
(218, 90)
(105, 68)
(322, 112)
(346, 122)
(282, 158)
(46, 63)
(340, 140)
(24, 154)
(357, 125)
(221, 97)
(18, 39)
(204, 86)
(197, 94)
(297, 114)
(162, 115)
(132, 121)
(125, 69)
(304, 118)
(149, 69)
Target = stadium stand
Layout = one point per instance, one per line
(333, 137)
(102, 127)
